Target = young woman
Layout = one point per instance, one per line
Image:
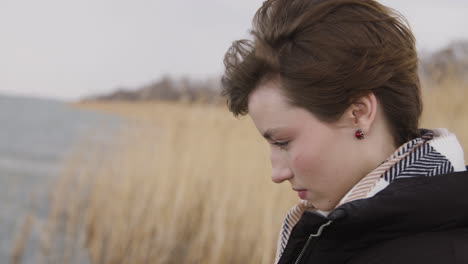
(332, 85)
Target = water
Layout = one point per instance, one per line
(35, 137)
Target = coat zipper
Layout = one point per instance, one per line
(311, 236)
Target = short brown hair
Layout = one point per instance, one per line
(327, 53)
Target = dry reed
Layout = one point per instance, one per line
(185, 184)
(446, 105)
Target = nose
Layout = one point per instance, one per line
(280, 170)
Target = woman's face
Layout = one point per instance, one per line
(317, 158)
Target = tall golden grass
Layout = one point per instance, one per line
(446, 105)
(185, 184)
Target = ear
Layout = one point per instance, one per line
(362, 112)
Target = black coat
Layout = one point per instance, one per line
(413, 220)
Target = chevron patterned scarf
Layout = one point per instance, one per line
(435, 152)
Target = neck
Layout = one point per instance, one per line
(379, 146)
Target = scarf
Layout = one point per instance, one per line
(435, 152)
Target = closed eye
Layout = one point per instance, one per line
(281, 144)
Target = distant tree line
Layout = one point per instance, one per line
(170, 89)
(450, 62)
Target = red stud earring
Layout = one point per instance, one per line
(359, 134)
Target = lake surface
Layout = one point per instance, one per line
(36, 135)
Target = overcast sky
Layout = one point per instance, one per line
(67, 49)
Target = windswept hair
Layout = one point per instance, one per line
(326, 54)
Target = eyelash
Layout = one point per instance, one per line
(281, 144)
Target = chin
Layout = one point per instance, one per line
(324, 205)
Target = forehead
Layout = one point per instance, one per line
(270, 110)
(267, 97)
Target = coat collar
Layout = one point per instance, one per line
(407, 206)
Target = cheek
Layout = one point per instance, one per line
(306, 161)
(313, 157)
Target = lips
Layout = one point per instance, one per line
(302, 193)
